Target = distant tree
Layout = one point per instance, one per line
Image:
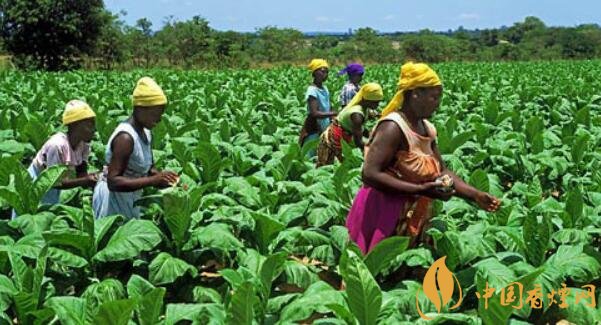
(189, 41)
(143, 38)
(516, 33)
(578, 44)
(429, 47)
(50, 35)
(278, 45)
(111, 45)
(367, 45)
(232, 49)
(489, 37)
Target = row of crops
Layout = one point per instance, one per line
(254, 233)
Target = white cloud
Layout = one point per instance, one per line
(322, 19)
(389, 17)
(468, 16)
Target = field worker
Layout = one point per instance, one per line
(355, 72)
(318, 104)
(403, 170)
(129, 157)
(348, 124)
(71, 149)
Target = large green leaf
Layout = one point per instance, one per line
(266, 229)
(102, 226)
(271, 269)
(315, 299)
(479, 180)
(579, 148)
(116, 312)
(210, 160)
(387, 250)
(149, 298)
(198, 313)
(99, 293)
(495, 312)
(43, 183)
(177, 209)
(241, 309)
(33, 223)
(149, 306)
(137, 287)
(69, 310)
(80, 241)
(66, 258)
(216, 235)
(537, 234)
(129, 240)
(363, 293)
(574, 207)
(165, 269)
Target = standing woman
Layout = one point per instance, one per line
(348, 124)
(403, 165)
(318, 103)
(129, 156)
(355, 73)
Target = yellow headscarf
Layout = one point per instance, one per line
(369, 91)
(413, 75)
(148, 93)
(77, 110)
(318, 64)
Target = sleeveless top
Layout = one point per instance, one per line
(106, 202)
(344, 117)
(140, 160)
(417, 164)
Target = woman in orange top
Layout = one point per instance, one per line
(402, 166)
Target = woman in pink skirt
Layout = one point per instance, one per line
(403, 167)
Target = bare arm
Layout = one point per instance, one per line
(314, 111)
(81, 179)
(381, 152)
(122, 147)
(357, 123)
(464, 190)
(153, 171)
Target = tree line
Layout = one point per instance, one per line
(68, 34)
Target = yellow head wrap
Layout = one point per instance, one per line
(370, 91)
(148, 93)
(77, 110)
(318, 64)
(413, 75)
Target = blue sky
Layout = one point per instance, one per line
(383, 15)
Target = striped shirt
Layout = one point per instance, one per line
(348, 92)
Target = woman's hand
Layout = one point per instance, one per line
(434, 193)
(487, 202)
(91, 179)
(165, 179)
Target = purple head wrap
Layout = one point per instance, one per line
(353, 68)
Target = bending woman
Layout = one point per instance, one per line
(130, 165)
(402, 164)
(348, 125)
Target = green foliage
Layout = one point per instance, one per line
(255, 233)
(50, 35)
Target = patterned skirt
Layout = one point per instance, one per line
(330, 144)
